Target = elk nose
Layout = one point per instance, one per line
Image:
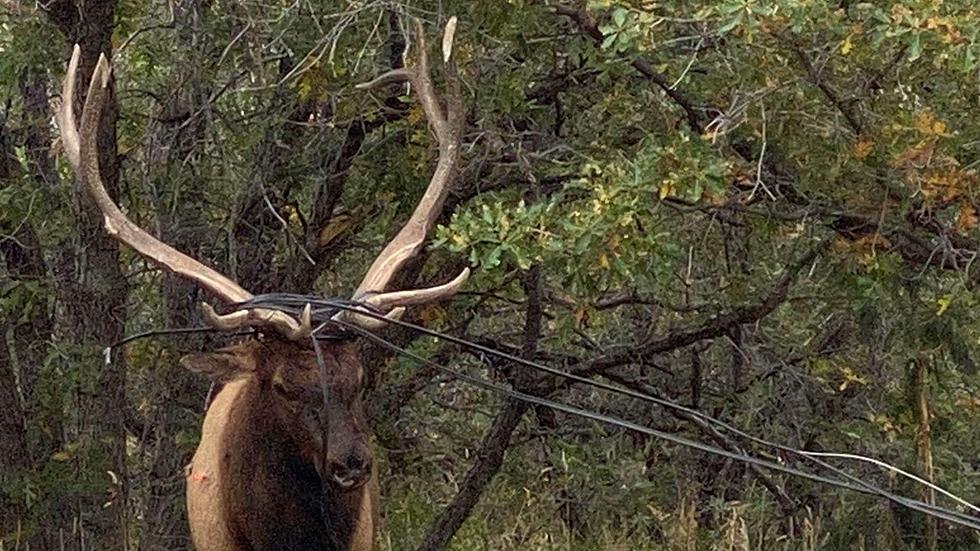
(352, 473)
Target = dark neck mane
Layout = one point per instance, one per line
(274, 496)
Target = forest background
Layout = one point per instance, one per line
(765, 210)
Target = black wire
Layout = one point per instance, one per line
(328, 308)
(857, 484)
(325, 395)
(334, 306)
(160, 333)
(925, 508)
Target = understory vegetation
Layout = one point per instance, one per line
(763, 210)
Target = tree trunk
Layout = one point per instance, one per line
(490, 457)
(924, 448)
(92, 294)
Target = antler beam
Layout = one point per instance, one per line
(81, 148)
(447, 125)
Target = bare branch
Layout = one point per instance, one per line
(816, 76)
(394, 76)
(786, 502)
(586, 23)
(715, 327)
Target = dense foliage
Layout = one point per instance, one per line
(766, 210)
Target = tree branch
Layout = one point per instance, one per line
(816, 77)
(586, 22)
(786, 503)
(714, 327)
(490, 456)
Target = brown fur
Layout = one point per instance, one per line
(254, 483)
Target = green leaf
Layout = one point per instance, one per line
(609, 41)
(619, 16)
(731, 24)
(915, 47)
(607, 29)
(492, 260)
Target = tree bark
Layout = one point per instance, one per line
(92, 292)
(924, 447)
(37, 137)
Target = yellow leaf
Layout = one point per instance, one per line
(928, 125)
(61, 456)
(943, 303)
(923, 122)
(709, 135)
(966, 218)
(862, 148)
(414, 114)
(846, 46)
(604, 261)
(338, 225)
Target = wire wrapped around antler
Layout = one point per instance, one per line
(447, 125)
(81, 147)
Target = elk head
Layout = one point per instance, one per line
(313, 396)
(290, 378)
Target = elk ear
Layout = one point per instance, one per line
(220, 366)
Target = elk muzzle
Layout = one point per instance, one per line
(351, 473)
(347, 462)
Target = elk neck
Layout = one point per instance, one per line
(274, 495)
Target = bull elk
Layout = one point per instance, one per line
(262, 477)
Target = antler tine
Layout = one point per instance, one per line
(425, 295)
(285, 325)
(448, 127)
(81, 147)
(65, 116)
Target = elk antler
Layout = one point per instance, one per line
(81, 148)
(448, 128)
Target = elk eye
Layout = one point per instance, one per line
(280, 389)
